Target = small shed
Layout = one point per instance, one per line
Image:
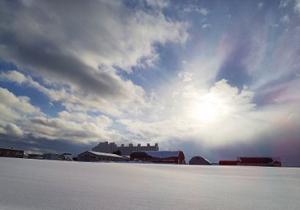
(198, 160)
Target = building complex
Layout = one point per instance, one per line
(112, 147)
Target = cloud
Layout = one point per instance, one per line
(160, 4)
(76, 127)
(19, 118)
(13, 130)
(285, 19)
(236, 89)
(14, 109)
(284, 3)
(297, 6)
(206, 25)
(196, 8)
(13, 76)
(77, 100)
(221, 118)
(203, 11)
(83, 51)
(194, 112)
(243, 52)
(18, 106)
(260, 5)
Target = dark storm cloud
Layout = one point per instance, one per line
(30, 143)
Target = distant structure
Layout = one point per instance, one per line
(55, 156)
(92, 156)
(51, 156)
(258, 161)
(174, 157)
(122, 149)
(198, 160)
(228, 162)
(35, 156)
(11, 153)
(252, 161)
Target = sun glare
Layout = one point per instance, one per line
(208, 109)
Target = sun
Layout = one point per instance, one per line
(209, 108)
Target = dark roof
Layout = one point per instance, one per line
(256, 159)
(198, 160)
(11, 149)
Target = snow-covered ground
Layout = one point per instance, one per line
(41, 184)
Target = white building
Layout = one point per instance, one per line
(124, 150)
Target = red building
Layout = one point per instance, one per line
(258, 161)
(173, 157)
(11, 153)
(228, 162)
(252, 161)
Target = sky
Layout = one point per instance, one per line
(214, 78)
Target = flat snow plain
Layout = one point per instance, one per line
(41, 184)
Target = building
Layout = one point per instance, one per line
(51, 156)
(198, 160)
(228, 162)
(55, 156)
(174, 157)
(252, 161)
(35, 156)
(258, 161)
(122, 149)
(92, 156)
(11, 153)
(66, 156)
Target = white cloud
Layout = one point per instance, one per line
(206, 25)
(78, 63)
(193, 113)
(158, 3)
(196, 8)
(19, 104)
(75, 100)
(13, 76)
(19, 117)
(203, 11)
(13, 130)
(284, 3)
(75, 126)
(14, 109)
(220, 115)
(297, 6)
(80, 55)
(285, 19)
(103, 38)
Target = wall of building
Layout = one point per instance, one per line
(91, 157)
(11, 153)
(124, 149)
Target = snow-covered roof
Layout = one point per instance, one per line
(163, 154)
(104, 154)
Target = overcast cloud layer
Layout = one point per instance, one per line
(215, 78)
